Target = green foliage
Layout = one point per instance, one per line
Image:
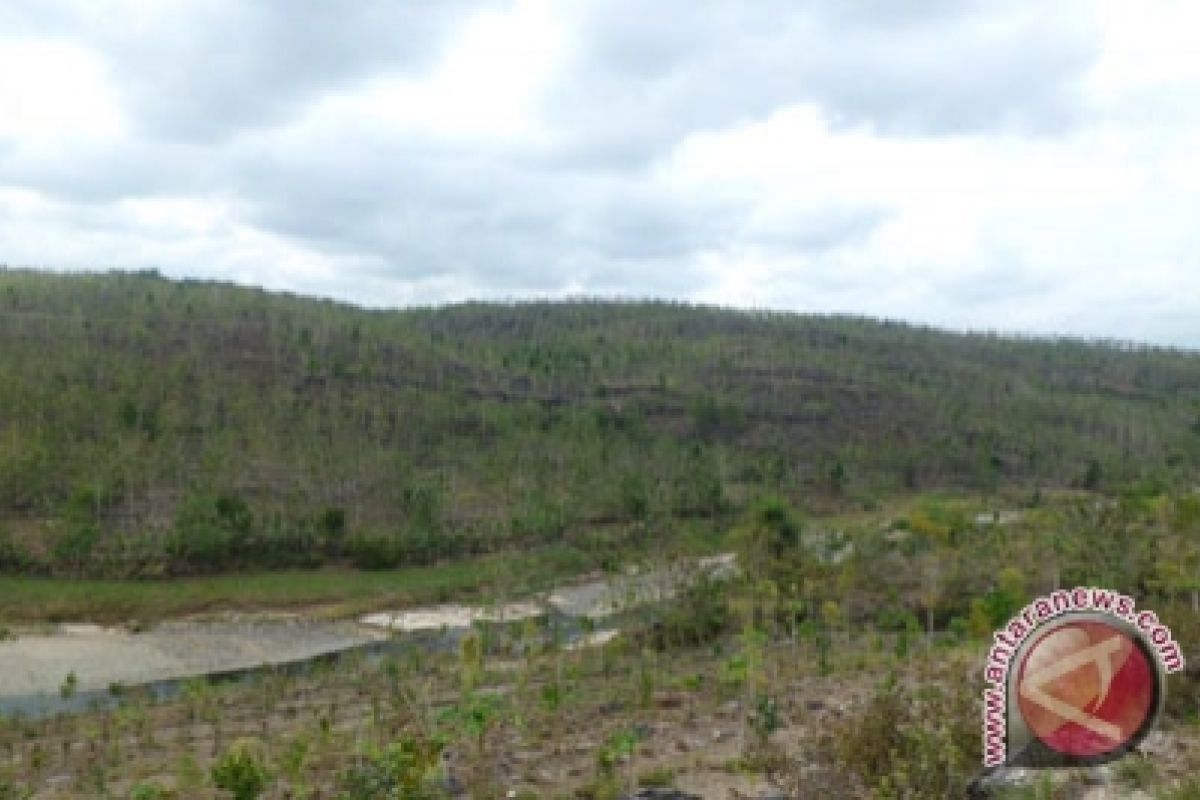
(210, 532)
(997, 606)
(242, 770)
(249, 424)
(405, 770)
(616, 748)
(471, 661)
(699, 615)
(1188, 789)
(375, 550)
(764, 716)
(148, 790)
(475, 715)
(768, 541)
(69, 686)
(905, 742)
(1093, 475)
(892, 619)
(713, 418)
(12, 554)
(540, 518)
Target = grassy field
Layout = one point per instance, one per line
(330, 592)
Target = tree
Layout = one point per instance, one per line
(1177, 568)
(768, 541)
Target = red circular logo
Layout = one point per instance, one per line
(1086, 689)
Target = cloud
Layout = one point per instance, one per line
(206, 69)
(638, 82)
(962, 163)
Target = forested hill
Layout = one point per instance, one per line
(151, 426)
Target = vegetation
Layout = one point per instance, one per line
(329, 592)
(160, 428)
(893, 494)
(242, 771)
(831, 688)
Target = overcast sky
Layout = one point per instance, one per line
(1016, 166)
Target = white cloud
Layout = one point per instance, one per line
(1019, 166)
(484, 89)
(53, 92)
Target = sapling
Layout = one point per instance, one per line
(242, 770)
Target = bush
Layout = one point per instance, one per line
(405, 770)
(148, 791)
(700, 615)
(374, 550)
(12, 555)
(904, 742)
(200, 540)
(242, 770)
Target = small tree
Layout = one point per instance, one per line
(768, 542)
(69, 686)
(242, 770)
(405, 769)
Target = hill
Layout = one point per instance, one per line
(149, 426)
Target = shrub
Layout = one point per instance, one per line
(904, 742)
(148, 790)
(242, 770)
(12, 554)
(700, 615)
(374, 550)
(405, 770)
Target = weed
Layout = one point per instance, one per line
(147, 790)
(657, 778)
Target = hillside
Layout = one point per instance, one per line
(150, 426)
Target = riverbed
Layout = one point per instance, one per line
(57, 667)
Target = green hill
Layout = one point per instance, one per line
(149, 426)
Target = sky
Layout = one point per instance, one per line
(1017, 166)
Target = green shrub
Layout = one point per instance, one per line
(404, 771)
(1189, 789)
(242, 770)
(148, 790)
(700, 615)
(12, 554)
(374, 550)
(904, 742)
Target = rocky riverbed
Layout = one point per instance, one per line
(40, 662)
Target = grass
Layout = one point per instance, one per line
(325, 592)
